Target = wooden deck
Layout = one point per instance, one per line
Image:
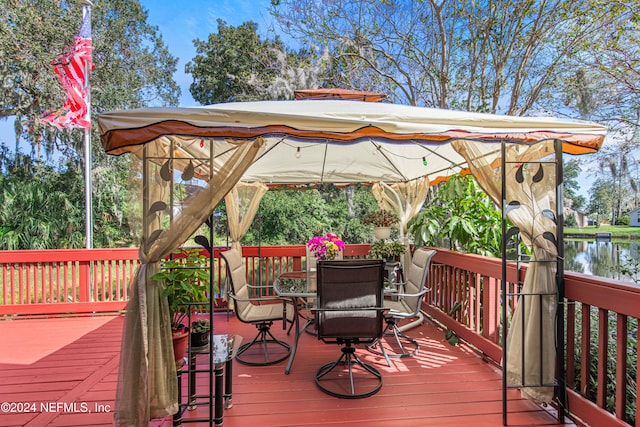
(68, 367)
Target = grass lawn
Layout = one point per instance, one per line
(617, 231)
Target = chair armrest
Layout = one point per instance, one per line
(259, 299)
(403, 294)
(320, 310)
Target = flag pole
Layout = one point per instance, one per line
(86, 10)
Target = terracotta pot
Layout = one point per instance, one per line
(382, 233)
(180, 342)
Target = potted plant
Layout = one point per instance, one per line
(387, 249)
(185, 279)
(382, 220)
(327, 246)
(200, 333)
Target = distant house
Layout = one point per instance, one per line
(634, 217)
(582, 220)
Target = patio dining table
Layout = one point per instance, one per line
(300, 288)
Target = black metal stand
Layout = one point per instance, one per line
(555, 159)
(220, 372)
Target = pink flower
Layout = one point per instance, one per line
(326, 246)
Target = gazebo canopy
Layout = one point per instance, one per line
(309, 141)
(329, 140)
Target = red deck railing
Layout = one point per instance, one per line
(601, 330)
(65, 280)
(601, 314)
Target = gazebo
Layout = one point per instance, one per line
(192, 158)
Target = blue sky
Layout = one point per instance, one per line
(182, 22)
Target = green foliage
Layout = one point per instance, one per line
(462, 215)
(294, 216)
(31, 32)
(509, 57)
(570, 185)
(223, 64)
(614, 161)
(40, 206)
(630, 266)
(610, 367)
(236, 64)
(570, 221)
(451, 337)
(200, 325)
(185, 279)
(133, 68)
(386, 249)
(623, 220)
(601, 199)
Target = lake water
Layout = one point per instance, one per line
(600, 258)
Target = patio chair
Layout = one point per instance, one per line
(258, 310)
(404, 303)
(349, 312)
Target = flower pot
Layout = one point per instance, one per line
(199, 339)
(382, 233)
(180, 341)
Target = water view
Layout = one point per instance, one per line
(601, 257)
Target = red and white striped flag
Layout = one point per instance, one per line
(72, 69)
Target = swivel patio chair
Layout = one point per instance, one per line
(405, 304)
(349, 312)
(261, 311)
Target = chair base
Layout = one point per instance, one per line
(401, 343)
(269, 344)
(349, 359)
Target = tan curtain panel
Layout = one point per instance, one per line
(242, 204)
(532, 206)
(176, 201)
(405, 199)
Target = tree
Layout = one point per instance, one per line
(133, 68)
(600, 199)
(605, 83)
(294, 216)
(614, 160)
(39, 205)
(236, 64)
(571, 171)
(500, 56)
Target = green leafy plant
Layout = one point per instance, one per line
(451, 336)
(185, 277)
(200, 325)
(460, 216)
(387, 249)
(381, 218)
(630, 267)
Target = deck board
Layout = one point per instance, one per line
(440, 386)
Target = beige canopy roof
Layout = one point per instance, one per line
(312, 141)
(340, 141)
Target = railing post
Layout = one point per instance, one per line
(490, 303)
(85, 280)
